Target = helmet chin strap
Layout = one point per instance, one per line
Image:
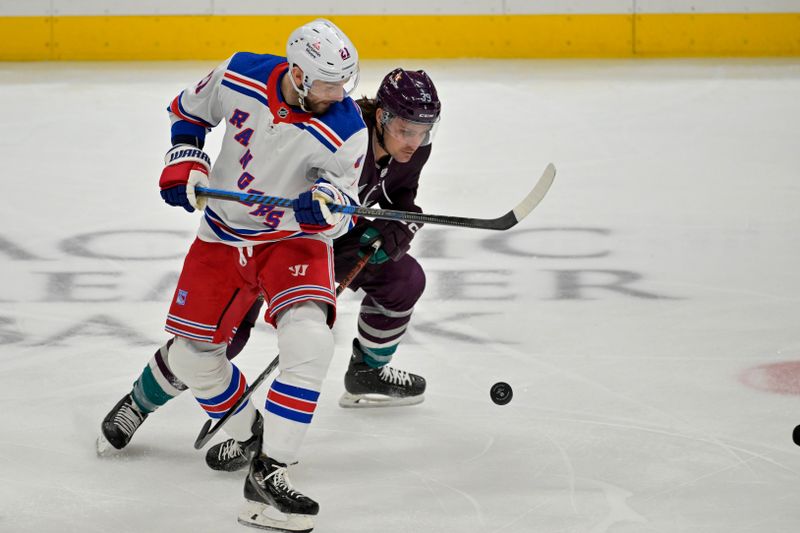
(379, 136)
(301, 93)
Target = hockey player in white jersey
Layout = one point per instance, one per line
(291, 130)
(401, 120)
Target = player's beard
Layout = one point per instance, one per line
(317, 106)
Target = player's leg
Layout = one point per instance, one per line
(302, 308)
(155, 386)
(214, 381)
(211, 298)
(230, 455)
(393, 288)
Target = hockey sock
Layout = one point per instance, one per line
(379, 331)
(156, 385)
(376, 356)
(305, 343)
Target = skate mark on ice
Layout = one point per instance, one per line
(545, 501)
(570, 468)
(705, 437)
(695, 480)
(483, 452)
(427, 481)
(619, 510)
(735, 450)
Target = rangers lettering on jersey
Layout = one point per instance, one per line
(246, 158)
(274, 145)
(243, 137)
(239, 118)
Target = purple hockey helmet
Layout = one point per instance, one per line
(410, 95)
(410, 107)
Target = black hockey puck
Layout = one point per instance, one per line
(501, 393)
(796, 435)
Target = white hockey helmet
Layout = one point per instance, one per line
(324, 53)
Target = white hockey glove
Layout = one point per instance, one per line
(200, 179)
(182, 162)
(324, 193)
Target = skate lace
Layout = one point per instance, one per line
(280, 479)
(127, 419)
(230, 449)
(395, 376)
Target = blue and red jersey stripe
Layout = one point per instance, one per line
(227, 233)
(190, 329)
(177, 109)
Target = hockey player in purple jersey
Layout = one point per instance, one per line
(401, 122)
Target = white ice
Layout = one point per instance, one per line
(646, 313)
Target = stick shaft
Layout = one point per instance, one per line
(500, 223)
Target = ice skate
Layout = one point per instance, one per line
(272, 503)
(379, 387)
(119, 425)
(232, 455)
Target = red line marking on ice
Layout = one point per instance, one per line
(779, 378)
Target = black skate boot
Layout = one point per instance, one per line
(119, 425)
(272, 503)
(379, 387)
(232, 455)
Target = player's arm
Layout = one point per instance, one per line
(396, 235)
(337, 182)
(193, 113)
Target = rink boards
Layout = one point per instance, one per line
(186, 29)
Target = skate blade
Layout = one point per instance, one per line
(103, 447)
(362, 401)
(263, 516)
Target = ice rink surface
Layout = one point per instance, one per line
(646, 313)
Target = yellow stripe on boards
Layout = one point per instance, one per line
(216, 37)
(528, 36)
(169, 37)
(26, 38)
(405, 36)
(715, 34)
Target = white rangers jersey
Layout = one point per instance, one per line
(269, 148)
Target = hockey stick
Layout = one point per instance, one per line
(207, 432)
(504, 222)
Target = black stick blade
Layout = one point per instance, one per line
(201, 437)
